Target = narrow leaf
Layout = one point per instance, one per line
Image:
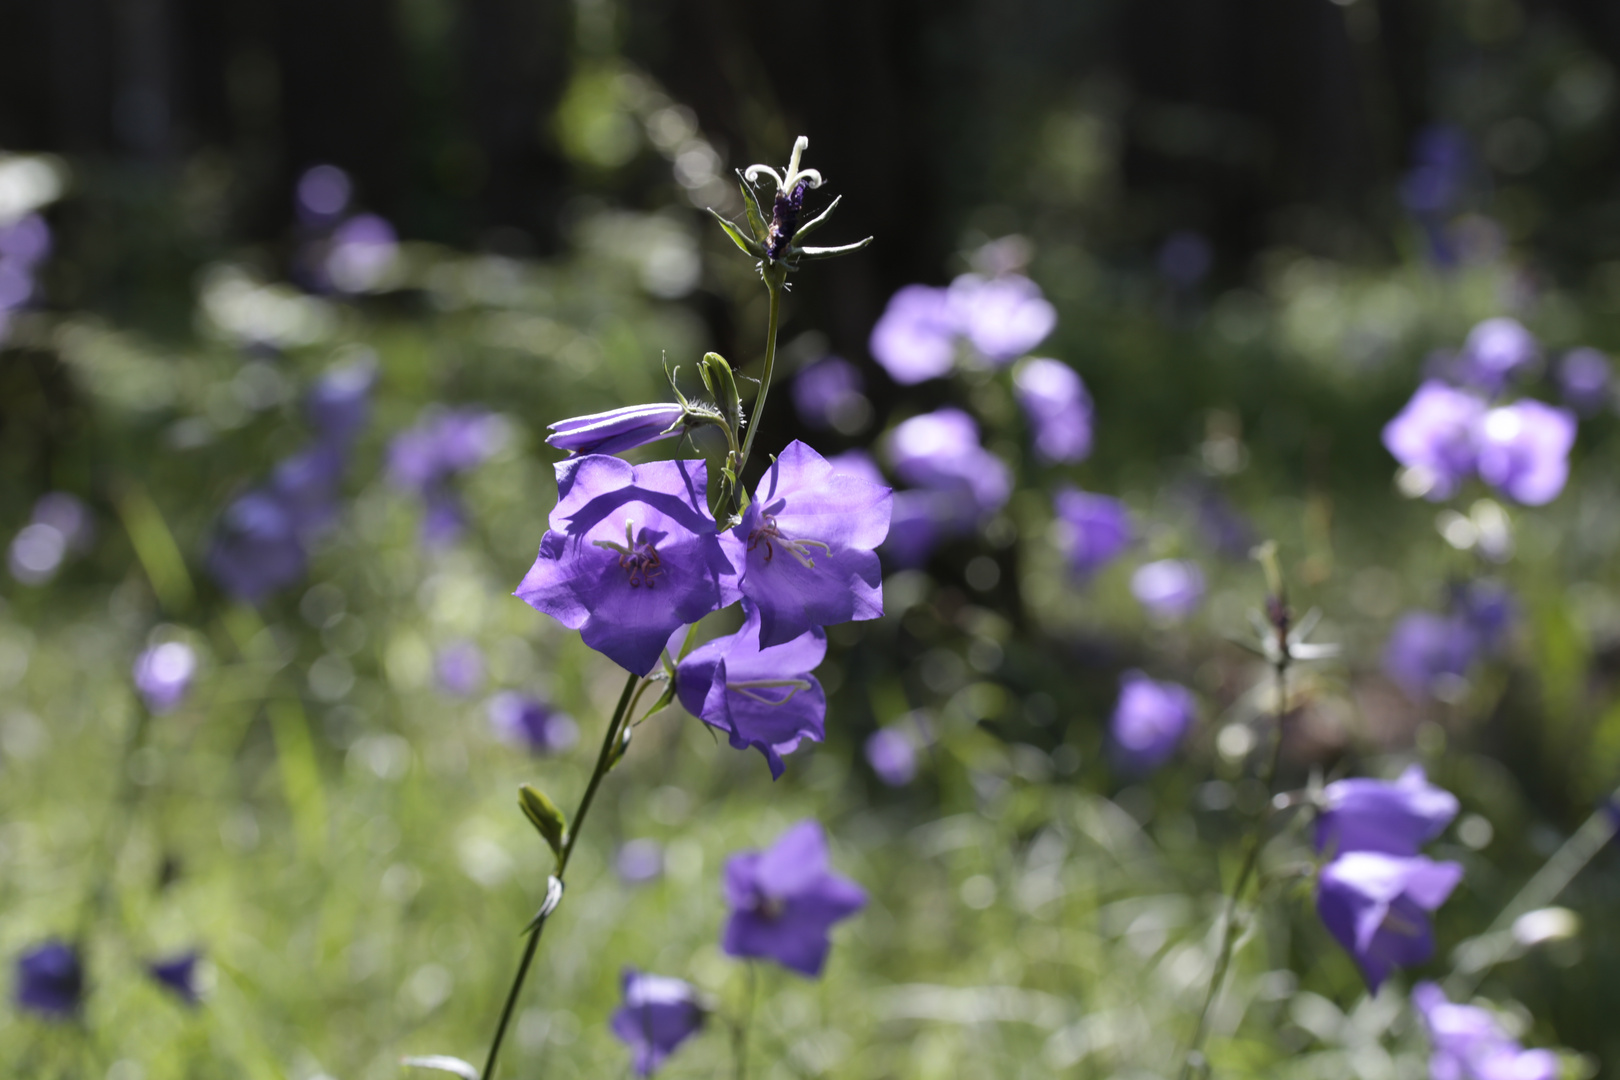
(546, 818)
(831, 252)
(756, 215)
(816, 222)
(748, 247)
(443, 1063)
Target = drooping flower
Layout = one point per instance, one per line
(807, 546)
(163, 674)
(50, 980)
(1170, 589)
(1003, 317)
(1435, 433)
(1092, 530)
(1468, 1042)
(915, 339)
(1059, 409)
(1377, 906)
(1495, 352)
(631, 554)
(659, 1013)
(941, 451)
(178, 975)
(1150, 720)
(531, 723)
(830, 393)
(458, 668)
(1586, 381)
(893, 756)
(1393, 817)
(1524, 450)
(617, 429)
(257, 549)
(785, 899)
(1429, 653)
(760, 696)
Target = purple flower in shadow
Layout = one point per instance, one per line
(1468, 1043)
(1150, 720)
(1428, 654)
(830, 393)
(1585, 381)
(1092, 530)
(1377, 906)
(340, 402)
(257, 549)
(50, 980)
(163, 675)
(1435, 433)
(1059, 409)
(617, 429)
(785, 899)
(178, 975)
(531, 723)
(659, 1013)
(1395, 818)
(1524, 450)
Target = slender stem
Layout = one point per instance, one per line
(603, 762)
(774, 280)
(739, 1031)
(117, 830)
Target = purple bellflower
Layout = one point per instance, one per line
(1495, 352)
(784, 900)
(920, 521)
(1170, 589)
(1489, 609)
(830, 393)
(639, 861)
(1059, 409)
(1003, 317)
(163, 674)
(659, 1013)
(323, 194)
(1395, 818)
(1469, 1043)
(363, 253)
(458, 669)
(1377, 906)
(528, 722)
(50, 980)
(631, 555)
(425, 458)
(1428, 653)
(1092, 530)
(178, 975)
(1435, 433)
(340, 402)
(760, 696)
(1524, 450)
(257, 549)
(60, 525)
(1585, 381)
(941, 451)
(807, 546)
(1150, 720)
(617, 429)
(915, 339)
(892, 755)
(859, 464)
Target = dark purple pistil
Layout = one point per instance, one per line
(784, 220)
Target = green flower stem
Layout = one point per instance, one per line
(117, 830)
(775, 280)
(604, 761)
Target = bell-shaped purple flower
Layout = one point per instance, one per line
(1524, 450)
(1092, 530)
(1585, 381)
(425, 458)
(830, 393)
(1435, 433)
(915, 339)
(340, 402)
(764, 697)
(1377, 906)
(1150, 720)
(617, 429)
(178, 975)
(50, 980)
(941, 451)
(1469, 1043)
(257, 549)
(1495, 352)
(1396, 818)
(1427, 653)
(531, 723)
(659, 1013)
(892, 755)
(1059, 409)
(631, 554)
(1170, 589)
(784, 900)
(163, 675)
(1003, 317)
(807, 545)
(458, 669)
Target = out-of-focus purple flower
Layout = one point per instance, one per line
(1585, 381)
(831, 394)
(426, 457)
(1488, 608)
(1170, 589)
(1003, 317)
(340, 402)
(1427, 653)
(784, 900)
(915, 338)
(1468, 1043)
(257, 549)
(807, 546)
(1150, 720)
(61, 524)
(1092, 530)
(893, 756)
(25, 243)
(918, 523)
(640, 861)
(631, 555)
(1185, 258)
(528, 722)
(458, 668)
(323, 194)
(1395, 818)
(1435, 433)
(940, 451)
(859, 464)
(1059, 409)
(764, 697)
(1432, 191)
(659, 1013)
(1524, 450)
(50, 980)
(363, 253)
(306, 485)
(1377, 906)
(178, 975)
(1495, 352)
(617, 429)
(68, 515)
(163, 675)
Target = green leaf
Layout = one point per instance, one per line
(546, 818)
(816, 222)
(831, 252)
(756, 215)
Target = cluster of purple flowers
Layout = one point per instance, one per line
(60, 526)
(999, 318)
(1376, 891)
(24, 245)
(1429, 653)
(426, 458)
(50, 979)
(1469, 1043)
(264, 537)
(341, 251)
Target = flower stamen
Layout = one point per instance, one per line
(798, 548)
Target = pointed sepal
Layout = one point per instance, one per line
(814, 253)
(816, 222)
(744, 243)
(756, 213)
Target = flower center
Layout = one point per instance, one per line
(770, 534)
(638, 558)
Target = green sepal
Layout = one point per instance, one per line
(546, 818)
(623, 745)
(816, 222)
(813, 253)
(756, 214)
(718, 378)
(744, 244)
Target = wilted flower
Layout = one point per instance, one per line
(1585, 381)
(1059, 409)
(163, 674)
(1169, 589)
(1434, 433)
(1396, 818)
(178, 975)
(631, 554)
(807, 544)
(659, 1013)
(784, 900)
(1524, 450)
(1377, 907)
(1495, 351)
(1428, 652)
(50, 980)
(830, 394)
(617, 429)
(529, 722)
(1469, 1043)
(941, 451)
(1150, 720)
(893, 756)
(1092, 530)
(764, 697)
(458, 668)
